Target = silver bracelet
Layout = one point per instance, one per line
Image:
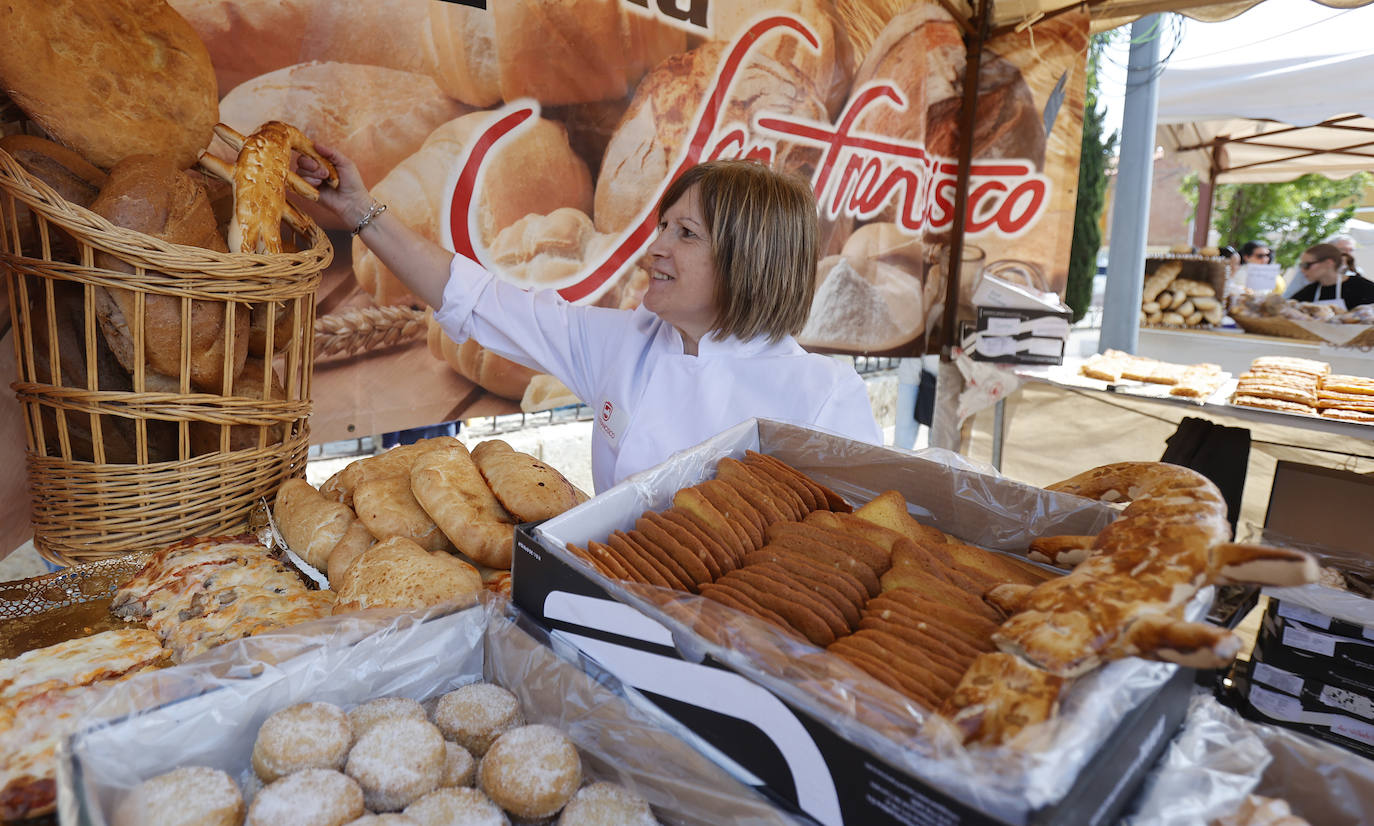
(376, 209)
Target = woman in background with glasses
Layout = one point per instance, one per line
(1329, 279)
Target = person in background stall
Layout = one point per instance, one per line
(1346, 244)
(732, 275)
(1329, 279)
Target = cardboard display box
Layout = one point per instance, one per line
(812, 742)
(224, 697)
(1316, 707)
(1318, 651)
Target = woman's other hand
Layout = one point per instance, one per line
(350, 200)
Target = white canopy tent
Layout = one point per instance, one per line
(1276, 107)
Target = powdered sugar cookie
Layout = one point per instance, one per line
(459, 767)
(601, 804)
(382, 708)
(456, 807)
(396, 761)
(303, 736)
(189, 796)
(476, 714)
(531, 771)
(313, 797)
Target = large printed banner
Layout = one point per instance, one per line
(536, 136)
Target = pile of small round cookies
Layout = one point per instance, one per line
(394, 762)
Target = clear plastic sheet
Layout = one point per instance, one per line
(1214, 763)
(208, 712)
(1009, 782)
(1220, 757)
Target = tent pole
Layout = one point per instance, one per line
(944, 431)
(1206, 197)
(973, 45)
(1131, 203)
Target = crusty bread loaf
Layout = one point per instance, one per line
(555, 51)
(69, 174)
(451, 489)
(526, 487)
(826, 71)
(394, 462)
(110, 79)
(536, 171)
(376, 115)
(205, 437)
(641, 155)
(389, 509)
(311, 525)
(149, 194)
(397, 573)
(248, 39)
(119, 434)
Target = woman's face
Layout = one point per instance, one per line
(682, 276)
(1259, 255)
(1324, 270)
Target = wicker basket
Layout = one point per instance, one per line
(121, 458)
(1284, 328)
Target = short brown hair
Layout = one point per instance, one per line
(764, 238)
(1326, 252)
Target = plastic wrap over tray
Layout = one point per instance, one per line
(1008, 782)
(1219, 758)
(207, 718)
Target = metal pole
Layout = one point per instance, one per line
(1131, 203)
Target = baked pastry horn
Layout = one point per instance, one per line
(236, 141)
(225, 171)
(1236, 562)
(1190, 644)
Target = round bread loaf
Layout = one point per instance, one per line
(372, 712)
(248, 39)
(148, 194)
(555, 53)
(378, 115)
(397, 573)
(189, 796)
(531, 490)
(597, 804)
(314, 797)
(303, 736)
(827, 72)
(476, 714)
(396, 762)
(534, 171)
(640, 157)
(389, 509)
(531, 771)
(205, 437)
(111, 79)
(456, 807)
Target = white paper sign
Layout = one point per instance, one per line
(1262, 277)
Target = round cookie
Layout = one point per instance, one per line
(456, 807)
(189, 796)
(364, 716)
(303, 736)
(460, 769)
(476, 714)
(385, 819)
(531, 771)
(313, 797)
(397, 761)
(598, 804)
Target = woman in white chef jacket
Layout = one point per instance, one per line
(732, 276)
(1328, 270)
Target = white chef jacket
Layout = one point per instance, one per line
(648, 397)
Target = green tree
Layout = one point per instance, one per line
(1291, 215)
(1096, 154)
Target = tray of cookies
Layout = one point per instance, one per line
(469, 716)
(872, 696)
